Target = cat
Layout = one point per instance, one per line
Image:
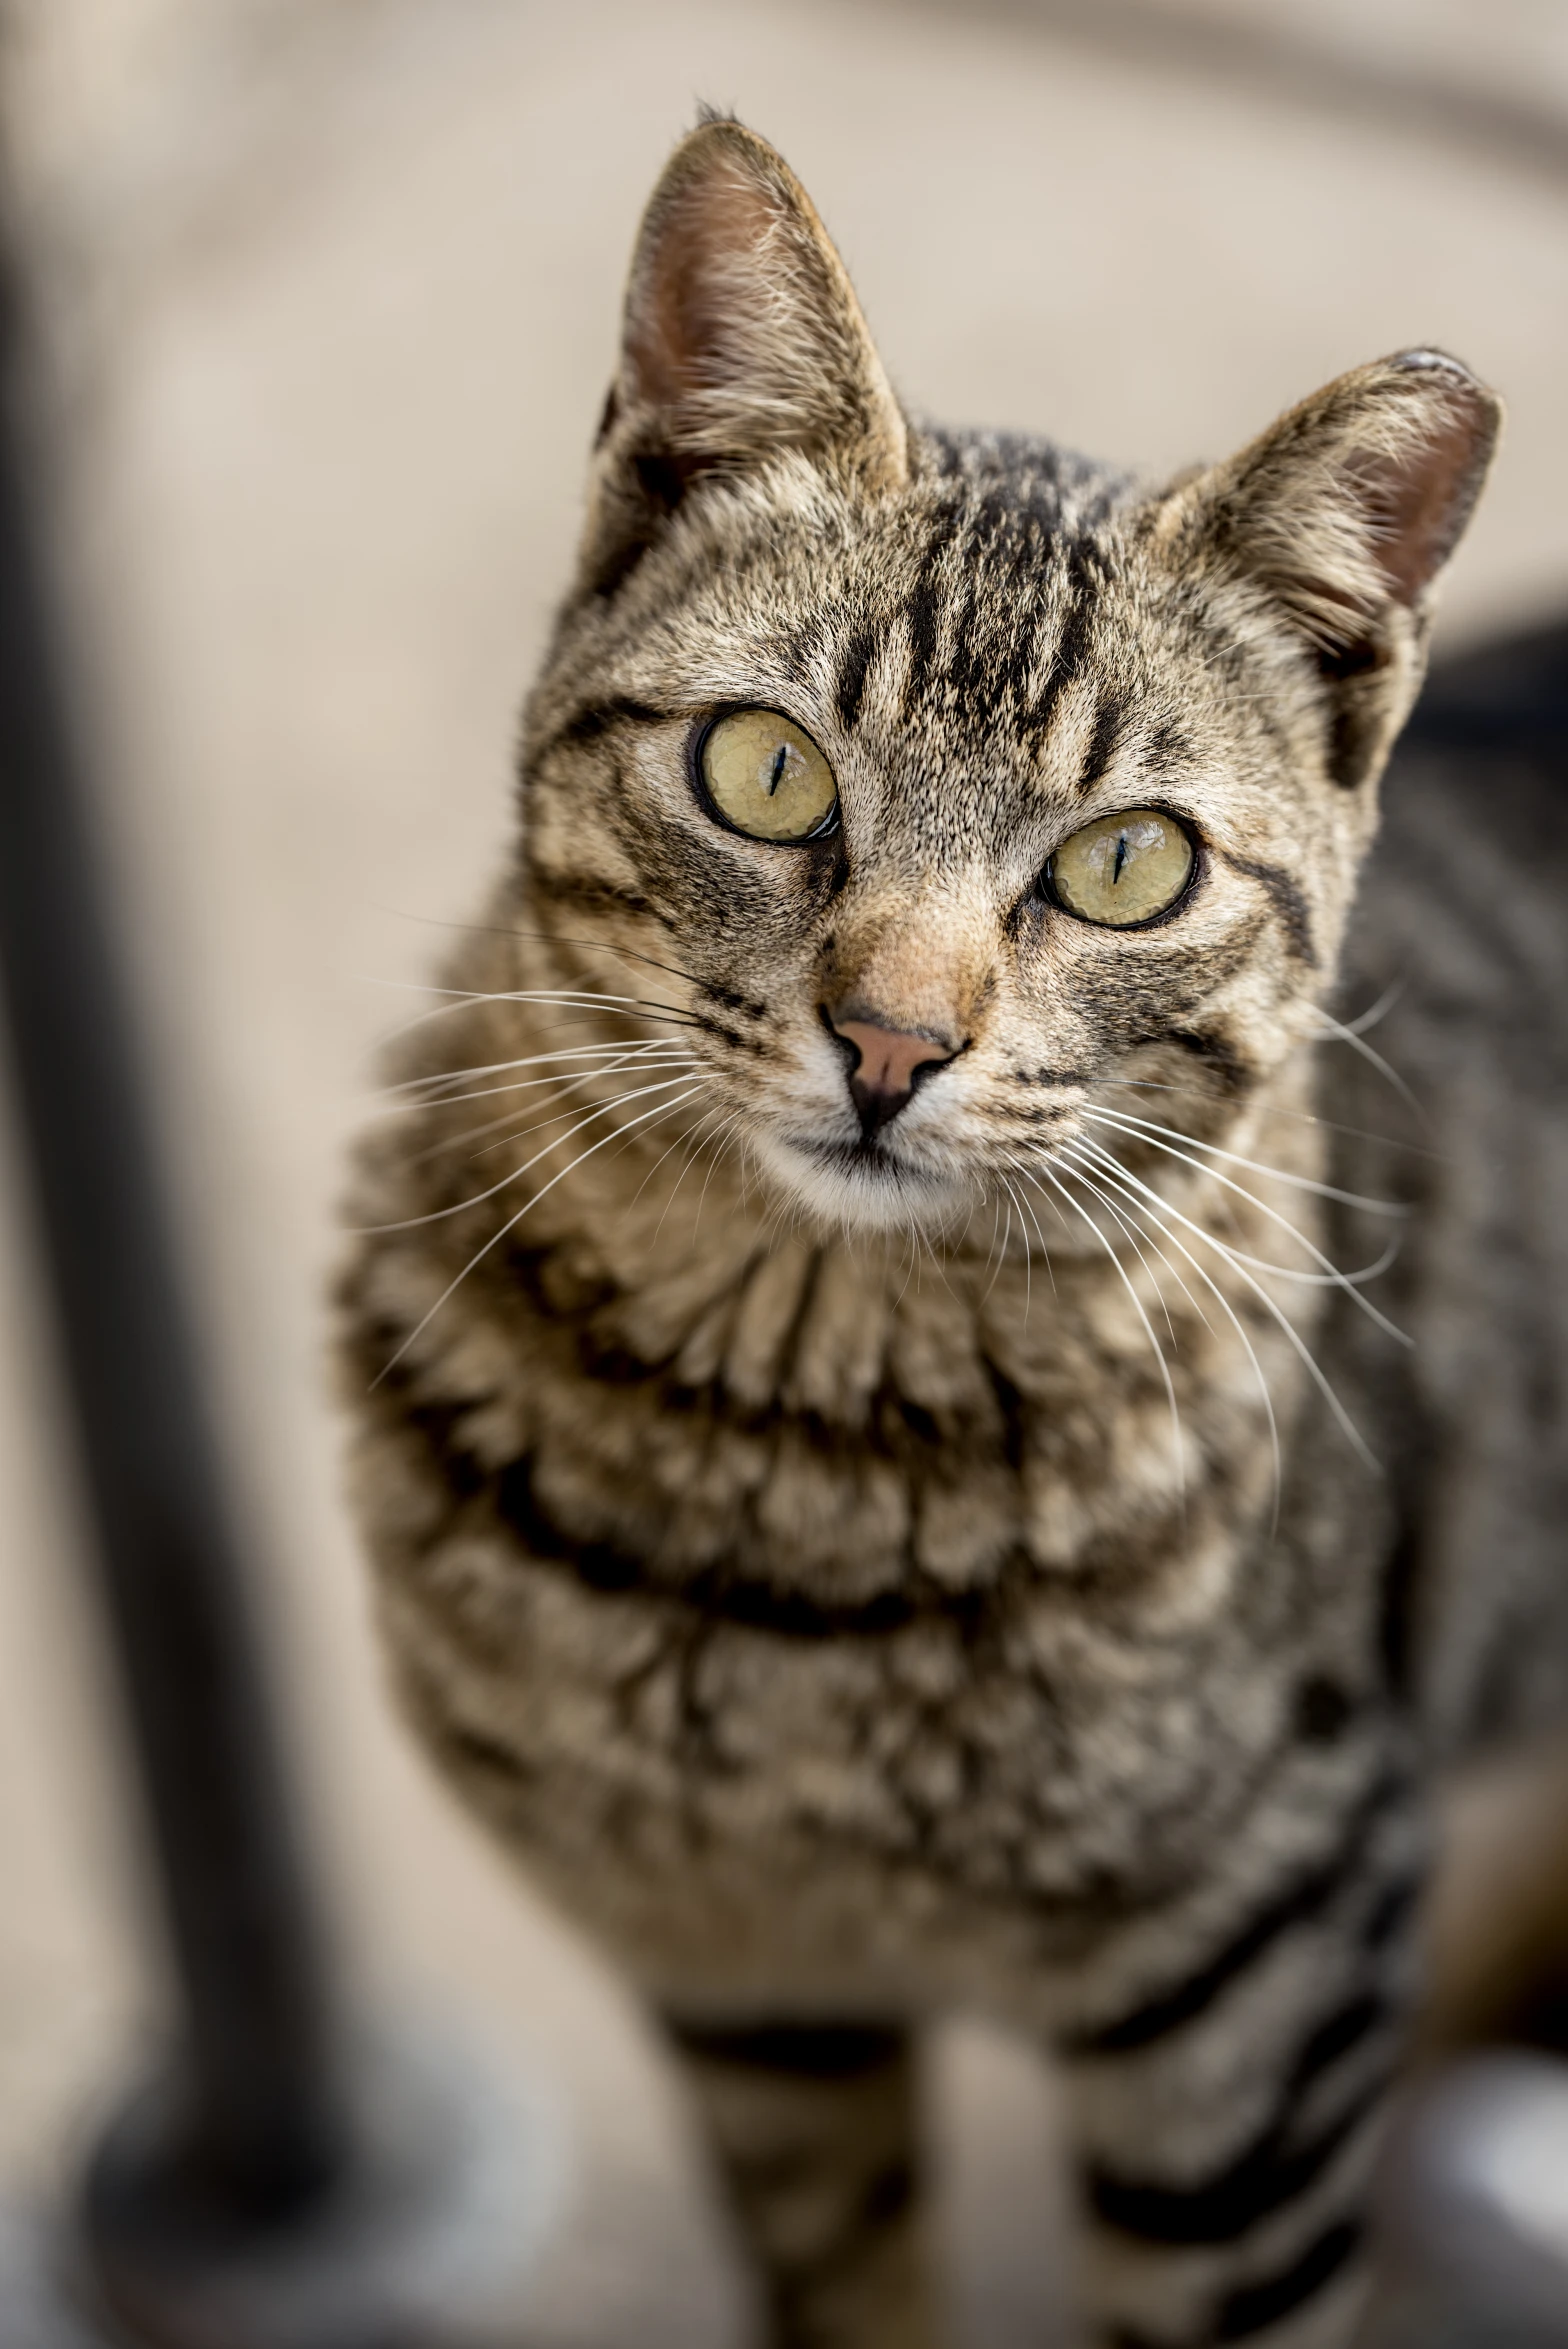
(879, 1345)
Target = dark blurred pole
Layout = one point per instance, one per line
(253, 2110)
(284, 2182)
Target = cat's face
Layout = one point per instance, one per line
(955, 790)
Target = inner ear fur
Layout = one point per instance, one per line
(742, 341)
(1344, 514)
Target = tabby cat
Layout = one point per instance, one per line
(881, 1347)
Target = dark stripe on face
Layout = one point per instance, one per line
(1285, 897)
(966, 677)
(589, 724)
(924, 614)
(1255, 2307)
(1102, 742)
(1235, 1072)
(990, 572)
(1081, 1078)
(1167, 751)
(1072, 645)
(1301, 1898)
(756, 1045)
(591, 895)
(854, 669)
(729, 1000)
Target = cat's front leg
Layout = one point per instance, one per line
(815, 2133)
(1226, 2106)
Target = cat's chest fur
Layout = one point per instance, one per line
(812, 1564)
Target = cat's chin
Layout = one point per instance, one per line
(872, 1190)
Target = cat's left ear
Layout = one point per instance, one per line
(742, 342)
(1344, 514)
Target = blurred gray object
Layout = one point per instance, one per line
(430, 2238)
(1477, 2209)
(275, 2185)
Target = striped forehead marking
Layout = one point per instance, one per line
(998, 624)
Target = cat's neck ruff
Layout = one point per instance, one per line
(1092, 1355)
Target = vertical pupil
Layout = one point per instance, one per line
(1121, 858)
(780, 761)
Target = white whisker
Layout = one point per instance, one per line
(577, 999)
(602, 1109)
(996, 1256)
(542, 937)
(1162, 1209)
(1275, 1174)
(692, 1155)
(427, 1095)
(1028, 1253)
(617, 1133)
(689, 1069)
(1330, 1275)
(1133, 1234)
(1379, 1011)
(1050, 1269)
(909, 1268)
(1343, 1035)
(1081, 1175)
(1148, 1327)
(508, 1117)
(1304, 1117)
(648, 1177)
(720, 1140)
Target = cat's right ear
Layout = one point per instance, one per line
(742, 342)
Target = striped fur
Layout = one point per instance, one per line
(860, 1578)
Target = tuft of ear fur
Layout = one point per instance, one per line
(1344, 514)
(743, 341)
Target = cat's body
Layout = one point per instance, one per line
(877, 1549)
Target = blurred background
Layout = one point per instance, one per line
(328, 292)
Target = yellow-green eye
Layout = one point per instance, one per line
(766, 777)
(1124, 869)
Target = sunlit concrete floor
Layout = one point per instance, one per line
(330, 289)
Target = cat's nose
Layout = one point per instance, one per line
(887, 1062)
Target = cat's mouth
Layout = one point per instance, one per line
(863, 1157)
(867, 1180)
(872, 1159)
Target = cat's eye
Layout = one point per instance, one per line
(1122, 870)
(765, 777)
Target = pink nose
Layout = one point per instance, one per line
(883, 1076)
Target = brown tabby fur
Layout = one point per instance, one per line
(861, 1578)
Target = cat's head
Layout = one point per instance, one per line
(949, 780)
